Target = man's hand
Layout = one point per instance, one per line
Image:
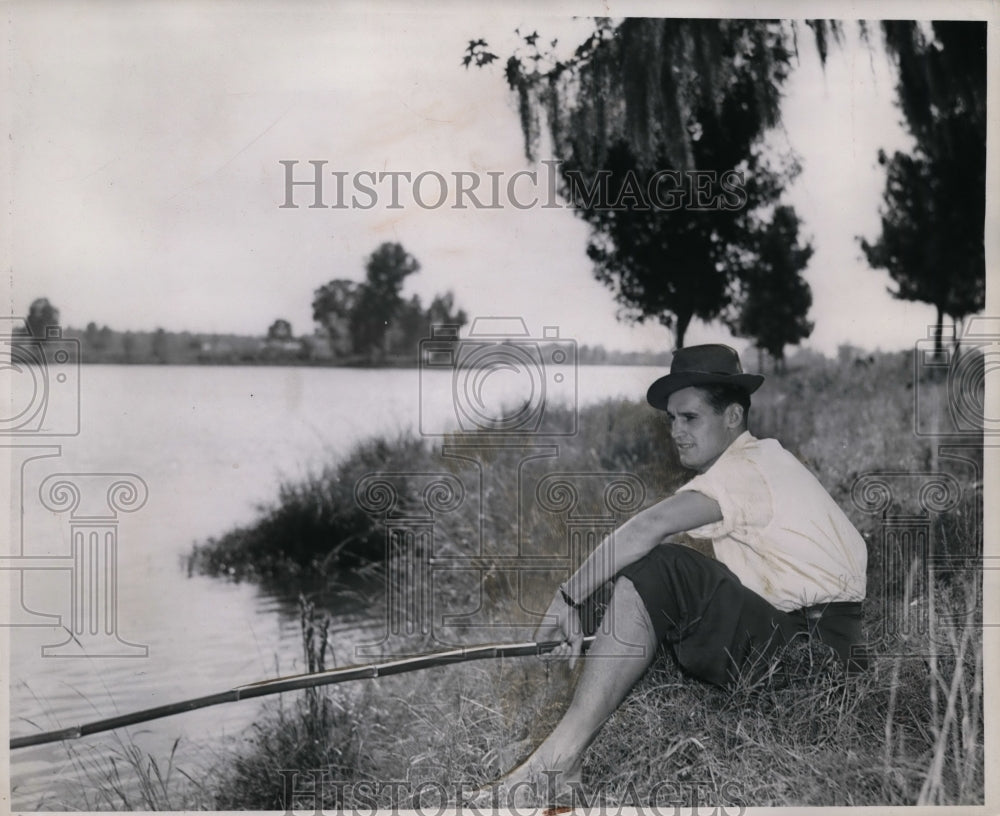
(562, 623)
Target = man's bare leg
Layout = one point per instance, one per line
(612, 666)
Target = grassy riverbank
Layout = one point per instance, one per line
(910, 730)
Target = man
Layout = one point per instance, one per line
(787, 560)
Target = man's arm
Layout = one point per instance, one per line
(630, 542)
(637, 536)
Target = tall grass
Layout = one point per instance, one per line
(318, 729)
(315, 526)
(908, 731)
(119, 774)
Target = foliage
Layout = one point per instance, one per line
(774, 308)
(709, 262)
(318, 730)
(683, 100)
(280, 329)
(127, 777)
(379, 301)
(442, 311)
(332, 306)
(371, 319)
(315, 526)
(97, 339)
(161, 352)
(649, 83)
(41, 315)
(933, 211)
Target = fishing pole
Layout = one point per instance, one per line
(294, 682)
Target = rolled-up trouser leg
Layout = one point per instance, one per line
(718, 628)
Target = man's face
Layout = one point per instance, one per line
(700, 434)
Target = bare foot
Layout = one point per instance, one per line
(527, 785)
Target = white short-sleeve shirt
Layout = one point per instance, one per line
(781, 532)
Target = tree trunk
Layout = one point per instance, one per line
(683, 321)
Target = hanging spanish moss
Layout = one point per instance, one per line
(646, 82)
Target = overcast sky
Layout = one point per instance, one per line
(146, 180)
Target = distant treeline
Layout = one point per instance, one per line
(105, 345)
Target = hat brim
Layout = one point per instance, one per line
(659, 392)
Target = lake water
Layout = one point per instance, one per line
(211, 444)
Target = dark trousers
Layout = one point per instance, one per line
(720, 630)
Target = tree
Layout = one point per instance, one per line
(128, 346)
(777, 300)
(372, 318)
(408, 327)
(442, 312)
(97, 340)
(934, 204)
(161, 348)
(648, 100)
(280, 330)
(333, 306)
(378, 298)
(91, 336)
(673, 266)
(645, 83)
(41, 315)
